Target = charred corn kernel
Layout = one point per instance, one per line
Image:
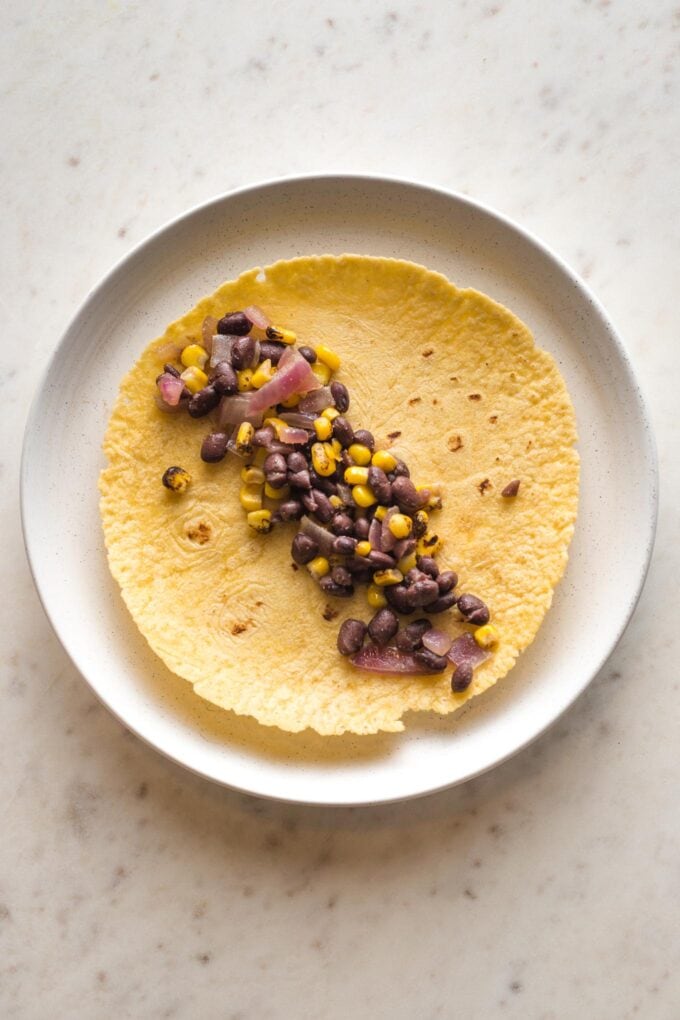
(291, 401)
(176, 479)
(383, 578)
(363, 495)
(384, 460)
(356, 476)
(336, 502)
(360, 454)
(407, 563)
(328, 357)
(429, 544)
(400, 525)
(330, 412)
(271, 493)
(260, 520)
(194, 379)
(323, 428)
(337, 448)
(434, 500)
(376, 597)
(262, 374)
(363, 548)
(251, 497)
(245, 379)
(486, 636)
(321, 462)
(381, 513)
(420, 523)
(319, 567)
(284, 336)
(252, 475)
(244, 439)
(194, 356)
(322, 372)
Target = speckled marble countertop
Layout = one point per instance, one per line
(546, 889)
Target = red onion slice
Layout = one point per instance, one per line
(298, 421)
(316, 401)
(234, 410)
(256, 355)
(221, 349)
(438, 641)
(293, 376)
(170, 388)
(388, 660)
(323, 538)
(375, 534)
(465, 650)
(294, 437)
(256, 316)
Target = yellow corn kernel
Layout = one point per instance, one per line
(319, 567)
(328, 357)
(245, 379)
(383, 459)
(376, 597)
(194, 379)
(260, 520)
(363, 495)
(323, 428)
(194, 356)
(262, 374)
(381, 513)
(252, 475)
(383, 578)
(407, 563)
(244, 439)
(400, 525)
(356, 475)
(251, 497)
(486, 636)
(272, 493)
(260, 457)
(332, 453)
(420, 523)
(360, 454)
(177, 479)
(322, 372)
(429, 544)
(330, 412)
(283, 336)
(290, 402)
(321, 462)
(276, 423)
(337, 448)
(363, 548)
(336, 502)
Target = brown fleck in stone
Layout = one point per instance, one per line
(454, 443)
(142, 791)
(414, 400)
(483, 486)
(74, 161)
(329, 613)
(474, 396)
(470, 893)
(428, 352)
(204, 958)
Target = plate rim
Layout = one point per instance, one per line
(648, 448)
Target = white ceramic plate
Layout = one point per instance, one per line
(166, 275)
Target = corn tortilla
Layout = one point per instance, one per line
(449, 380)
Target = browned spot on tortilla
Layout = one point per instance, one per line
(483, 486)
(414, 400)
(474, 396)
(428, 352)
(435, 401)
(453, 378)
(493, 419)
(258, 604)
(329, 613)
(393, 435)
(199, 533)
(295, 566)
(239, 628)
(454, 443)
(529, 445)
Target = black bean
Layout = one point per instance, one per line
(435, 663)
(323, 484)
(203, 402)
(462, 677)
(277, 479)
(263, 437)
(473, 609)
(415, 574)
(324, 508)
(341, 575)
(308, 353)
(234, 324)
(304, 548)
(410, 637)
(383, 626)
(342, 524)
(380, 560)
(171, 370)
(377, 480)
(351, 636)
(398, 597)
(419, 523)
(214, 447)
(297, 461)
(441, 604)
(447, 580)
(343, 431)
(360, 568)
(361, 528)
(340, 396)
(274, 462)
(404, 547)
(428, 565)
(343, 545)
(422, 593)
(401, 470)
(299, 479)
(224, 380)
(242, 352)
(271, 350)
(365, 437)
(331, 587)
(405, 494)
(291, 510)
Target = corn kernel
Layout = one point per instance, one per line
(244, 439)
(400, 525)
(376, 597)
(260, 457)
(252, 475)
(321, 462)
(383, 578)
(328, 357)
(486, 636)
(407, 563)
(260, 520)
(194, 379)
(330, 412)
(360, 454)
(322, 372)
(272, 493)
(283, 336)
(383, 459)
(319, 567)
(337, 448)
(363, 548)
(363, 495)
(356, 475)
(429, 544)
(177, 479)
(323, 428)
(194, 356)
(245, 379)
(290, 402)
(420, 523)
(262, 374)
(251, 497)
(381, 513)
(276, 423)
(336, 502)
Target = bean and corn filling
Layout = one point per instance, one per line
(361, 519)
